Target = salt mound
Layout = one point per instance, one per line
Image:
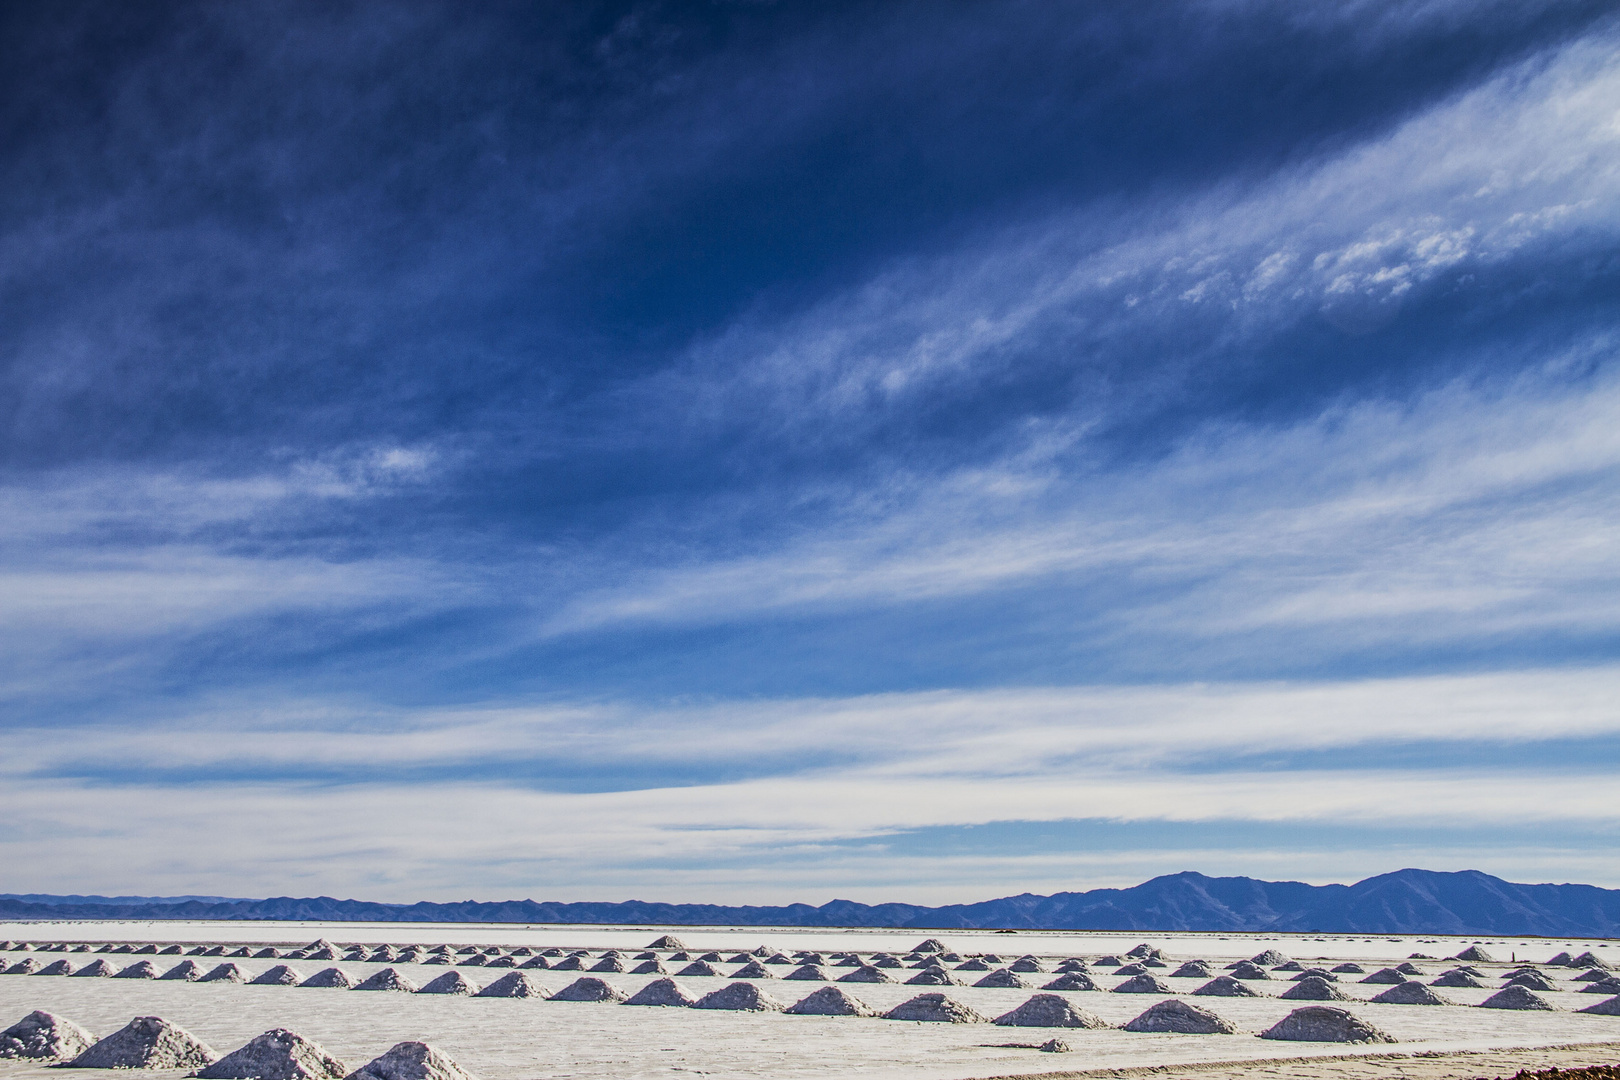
(1313, 989)
(739, 997)
(278, 1054)
(281, 975)
(267, 954)
(1192, 969)
(1475, 955)
(170, 950)
(1269, 958)
(1026, 964)
(1350, 969)
(1410, 993)
(1386, 975)
(1323, 1023)
(1410, 969)
(931, 945)
(1292, 965)
(513, 984)
(56, 967)
(1108, 961)
(1315, 973)
(42, 1036)
(666, 992)
(146, 1042)
(1592, 975)
(451, 982)
(95, 969)
(831, 1001)
(150, 950)
(1142, 950)
(610, 965)
(649, 967)
(1457, 978)
(753, 970)
(1610, 1007)
(142, 970)
(1049, 1010)
(1252, 972)
(668, 941)
(1606, 985)
(1142, 984)
(1132, 969)
(411, 1061)
(1224, 986)
(1071, 980)
(932, 976)
(1591, 959)
(740, 958)
(866, 973)
(23, 967)
(532, 962)
(1516, 997)
(228, 973)
(332, 978)
(1005, 979)
(1559, 960)
(589, 988)
(973, 965)
(1532, 980)
(569, 963)
(1182, 1018)
(184, 971)
(934, 1008)
(320, 943)
(1072, 964)
(386, 979)
(711, 957)
(807, 973)
(699, 967)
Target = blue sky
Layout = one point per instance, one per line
(772, 451)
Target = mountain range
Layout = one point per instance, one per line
(1403, 902)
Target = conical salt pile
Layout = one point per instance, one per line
(569, 963)
(1516, 997)
(831, 1001)
(1005, 979)
(1315, 973)
(56, 967)
(95, 969)
(1193, 969)
(1350, 969)
(753, 970)
(142, 970)
(1609, 1007)
(1131, 969)
(319, 944)
(973, 965)
(649, 967)
(931, 976)
(1410, 993)
(1313, 989)
(609, 965)
(934, 1009)
(184, 971)
(807, 973)
(330, 978)
(1142, 984)
(323, 952)
(1181, 1017)
(1269, 958)
(1559, 960)
(276, 1055)
(1532, 980)
(44, 1037)
(589, 988)
(1225, 986)
(227, 973)
(532, 962)
(699, 968)
(451, 982)
(146, 1042)
(1249, 972)
(739, 997)
(387, 979)
(1386, 975)
(280, 975)
(26, 966)
(1072, 980)
(866, 973)
(1457, 978)
(1049, 1010)
(1026, 965)
(662, 992)
(514, 984)
(1323, 1023)
(411, 1061)
(1609, 984)
(1475, 955)
(929, 945)
(1591, 960)
(668, 941)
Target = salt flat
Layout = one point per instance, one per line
(505, 1039)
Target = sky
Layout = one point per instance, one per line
(765, 452)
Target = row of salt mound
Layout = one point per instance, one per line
(149, 1042)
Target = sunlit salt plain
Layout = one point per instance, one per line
(507, 1039)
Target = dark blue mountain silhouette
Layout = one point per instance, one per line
(1407, 901)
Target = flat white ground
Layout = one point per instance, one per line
(521, 1039)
